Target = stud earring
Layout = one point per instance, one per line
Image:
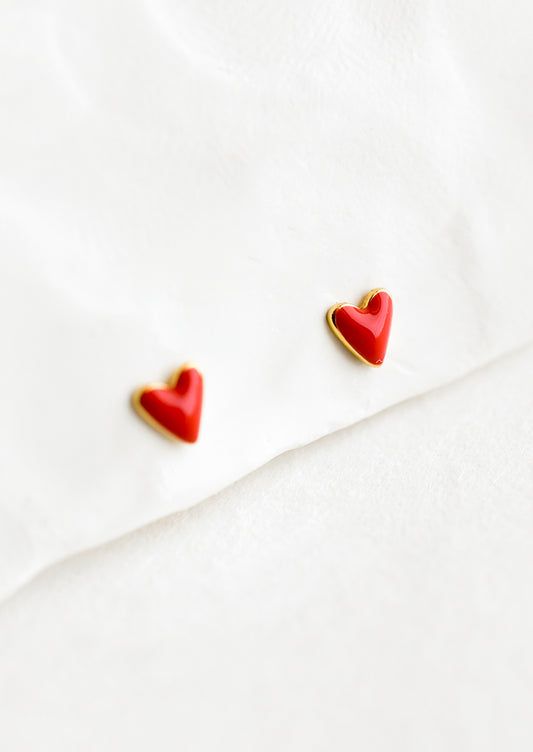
(175, 408)
(364, 329)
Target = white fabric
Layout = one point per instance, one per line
(202, 181)
(369, 592)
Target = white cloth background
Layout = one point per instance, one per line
(371, 591)
(202, 181)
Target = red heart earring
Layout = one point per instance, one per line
(174, 409)
(364, 329)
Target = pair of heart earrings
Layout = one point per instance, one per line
(175, 408)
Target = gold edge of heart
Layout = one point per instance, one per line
(330, 317)
(170, 384)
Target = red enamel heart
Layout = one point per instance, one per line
(364, 329)
(174, 409)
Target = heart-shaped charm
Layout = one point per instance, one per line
(174, 409)
(364, 329)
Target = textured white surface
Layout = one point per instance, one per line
(371, 591)
(202, 180)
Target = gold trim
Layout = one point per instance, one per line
(170, 384)
(330, 316)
